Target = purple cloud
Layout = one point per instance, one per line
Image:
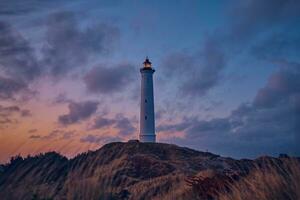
(99, 139)
(267, 125)
(120, 122)
(78, 111)
(69, 46)
(107, 80)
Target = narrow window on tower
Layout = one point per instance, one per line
(145, 117)
(145, 100)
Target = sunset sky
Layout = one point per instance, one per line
(227, 74)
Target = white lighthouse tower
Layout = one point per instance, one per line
(147, 121)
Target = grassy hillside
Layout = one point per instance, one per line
(149, 171)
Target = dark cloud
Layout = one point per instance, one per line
(107, 80)
(252, 17)
(124, 125)
(59, 134)
(18, 64)
(78, 111)
(201, 71)
(32, 130)
(19, 8)
(68, 46)
(9, 110)
(278, 46)
(16, 7)
(282, 86)
(4, 120)
(186, 123)
(266, 29)
(99, 139)
(17, 58)
(52, 135)
(208, 128)
(35, 137)
(26, 113)
(198, 72)
(9, 87)
(258, 26)
(101, 122)
(120, 122)
(55, 134)
(61, 98)
(68, 134)
(178, 63)
(8, 113)
(209, 73)
(268, 125)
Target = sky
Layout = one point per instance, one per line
(227, 74)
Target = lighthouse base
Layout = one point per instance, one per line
(147, 138)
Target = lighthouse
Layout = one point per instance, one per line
(147, 121)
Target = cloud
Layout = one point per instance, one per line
(108, 80)
(17, 58)
(78, 111)
(210, 69)
(268, 125)
(8, 110)
(59, 134)
(55, 134)
(277, 46)
(182, 126)
(32, 130)
(99, 139)
(101, 122)
(9, 87)
(5, 121)
(18, 64)
(178, 63)
(253, 17)
(262, 26)
(124, 125)
(120, 122)
(68, 46)
(7, 114)
(35, 137)
(248, 21)
(16, 7)
(61, 98)
(68, 134)
(26, 113)
(198, 72)
(209, 128)
(282, 86)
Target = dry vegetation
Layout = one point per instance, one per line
(149, 171)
